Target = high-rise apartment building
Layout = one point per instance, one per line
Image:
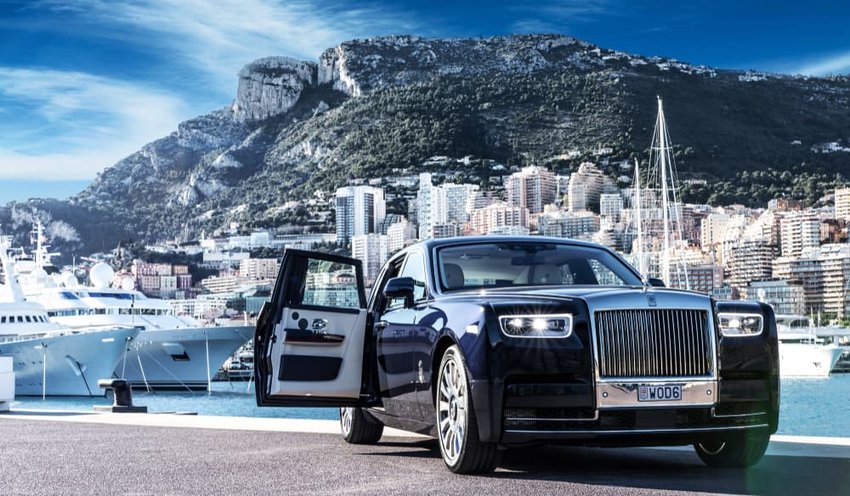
(568, 224)
(785, 298)
(749, 261)
(359, 210)
(610, 206)
(842, 204)
(533, 188)
(373, 251)
(399, 234)
(798, 231)
(497, 215)
(713, 230)
(445, 204)
(259, 268)
(586, 185)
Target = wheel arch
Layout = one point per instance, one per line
(440, 346)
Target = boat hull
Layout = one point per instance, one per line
(807, 360)
(74, 361)
(176, 359)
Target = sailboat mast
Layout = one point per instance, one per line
(641, 259)
(661, 128)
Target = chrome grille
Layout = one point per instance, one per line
(653, 343)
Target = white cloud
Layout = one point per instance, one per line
(77, 123)
(825, 66)
(556, 17)
(218, 37)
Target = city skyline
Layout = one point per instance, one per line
(89, 82)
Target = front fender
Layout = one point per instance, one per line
(749, 365)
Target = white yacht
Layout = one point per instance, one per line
(50, 359)
(171, 352)
(801, 352)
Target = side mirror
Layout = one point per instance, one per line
(656, 283)
(400, 287)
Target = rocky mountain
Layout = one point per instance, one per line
(366, 108)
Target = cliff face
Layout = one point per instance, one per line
(298, 129)
(271, 86)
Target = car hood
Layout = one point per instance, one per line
(597, 297)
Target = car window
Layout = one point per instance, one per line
(604, 275)
(330, 284)
(414, 267)
(497, 264)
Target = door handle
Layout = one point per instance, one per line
(381, 324)
(319, 325)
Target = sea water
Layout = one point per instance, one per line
(809, 407)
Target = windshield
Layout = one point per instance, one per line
(490, 265)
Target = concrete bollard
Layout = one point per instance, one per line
(122, 401)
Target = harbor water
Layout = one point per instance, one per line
(810, 407)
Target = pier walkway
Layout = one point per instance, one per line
(83, 453)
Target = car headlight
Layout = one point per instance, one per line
(741, 324)
(537, 326)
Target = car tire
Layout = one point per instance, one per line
(457, 426)
(738, 452)
(359, 427)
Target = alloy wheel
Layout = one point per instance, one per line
(451, 409)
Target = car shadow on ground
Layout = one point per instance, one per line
(652, 468)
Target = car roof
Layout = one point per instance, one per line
(464, 240)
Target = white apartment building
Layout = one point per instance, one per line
(785, 298)
(563, 224)
(704, 278)
(359, 210)
(373, 251)
(798, 231)
(256, 269)
(586, 185)
(577, 197)
(713, 230)
(610, 206)
(749, 261)
(532, 187)
(399, 234)
(842, 204)
(806, 271)
(496, 216)
(446, 230)
(444, 204)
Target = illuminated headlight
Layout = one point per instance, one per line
(741, 324)
(537, 326)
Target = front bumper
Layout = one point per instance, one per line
(519, 414)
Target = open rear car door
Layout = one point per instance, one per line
(309, 342)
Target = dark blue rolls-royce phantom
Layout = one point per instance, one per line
(491, 342)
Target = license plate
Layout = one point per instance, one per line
(661, 392)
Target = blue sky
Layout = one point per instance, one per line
(84, 83)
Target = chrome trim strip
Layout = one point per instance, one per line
(643, 431)
(624, 394)
(714, 414)
(536, 419)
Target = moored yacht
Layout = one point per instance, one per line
(801, 352)
(50, 359)
(170, 352)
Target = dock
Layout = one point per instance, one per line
(47, 452)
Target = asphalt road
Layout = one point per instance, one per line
(38, 457)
